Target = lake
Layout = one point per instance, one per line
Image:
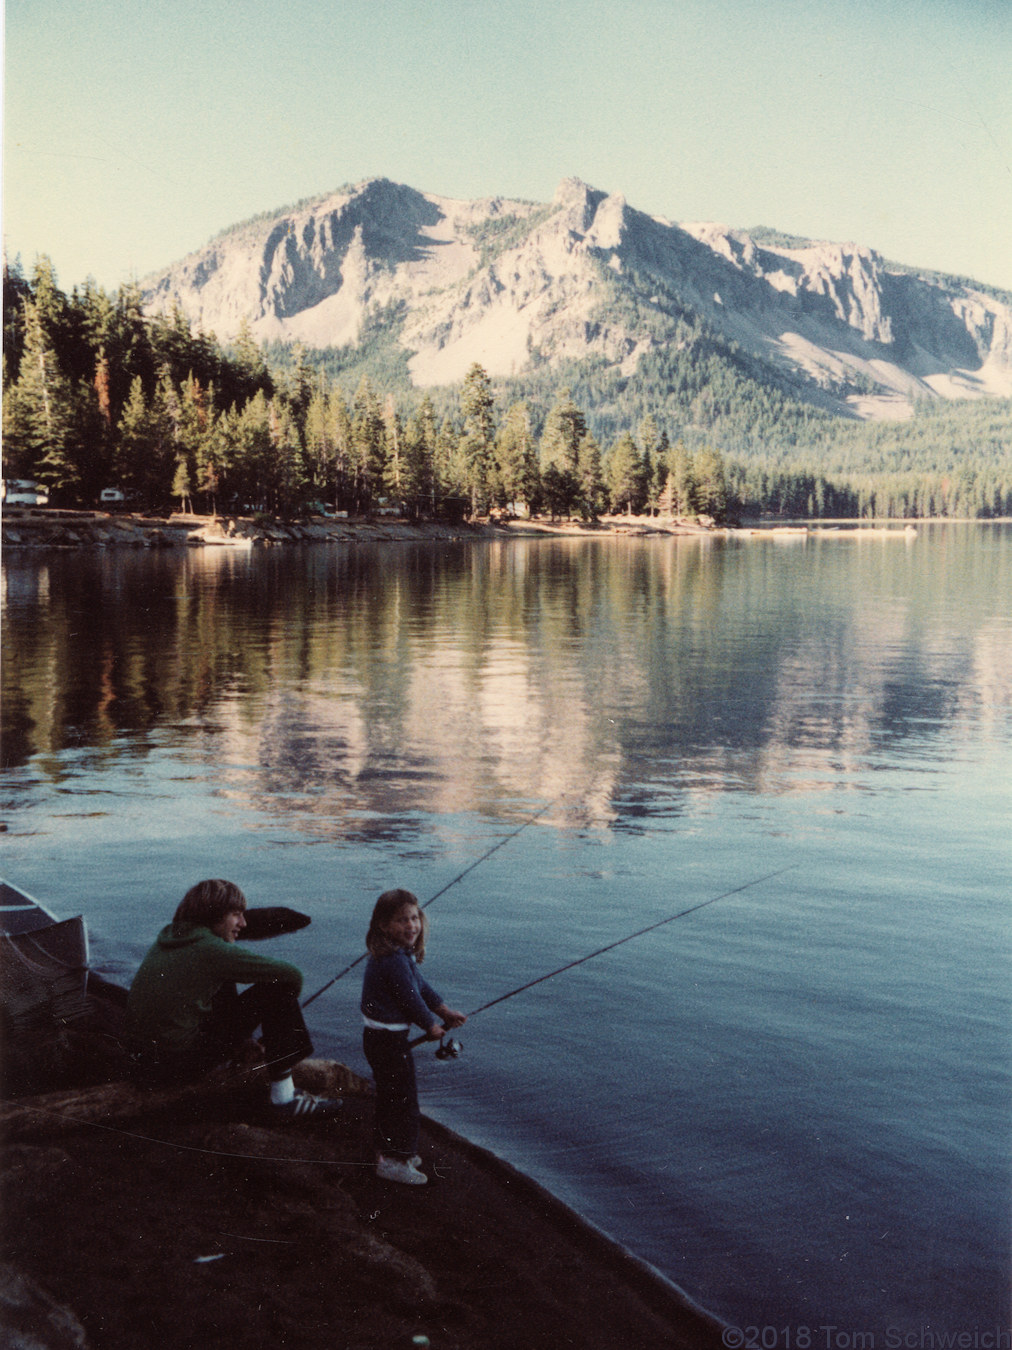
(793, 1100)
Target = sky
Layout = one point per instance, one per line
(134, 133)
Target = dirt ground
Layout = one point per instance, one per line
(132, 1222)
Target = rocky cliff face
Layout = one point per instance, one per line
(501, 281)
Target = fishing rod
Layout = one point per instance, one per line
(459, 877)
(451, 1049)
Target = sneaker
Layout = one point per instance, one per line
(305, 1104)
(393, 1169)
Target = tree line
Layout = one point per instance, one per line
(98, 395)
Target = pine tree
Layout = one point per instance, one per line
(711, 483)
(477, 410)
(182, 486)
(624, 475)
(450, 470)
(253, 453)
(393, 472)
(249, 366)
(564, 430)
(135, 448)
(37, 427)
(680, 487)
(517, 460)
(319, 442)
(417, 460)
(590, 486)
(367, 446)
(340, 420)
(289, 476)
(212, 454)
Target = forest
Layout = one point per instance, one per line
(98, 395)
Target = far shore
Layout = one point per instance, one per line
(48, 528)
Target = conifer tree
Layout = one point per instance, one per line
(590, 486)
(248, 360)
(711, 483)
(319, 442)
(517, 459)
(340, 420)
(288, 477)
(136, 448)
(477, 410)
(417, 484)
(680, 486)
(368, 446)
(624, 475)
(253, 452)
(450, 471)
(565, 427)
(182, 485)
(37, 427)
(393, 469)
(212, 454)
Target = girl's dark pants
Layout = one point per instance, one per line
(393, 1070)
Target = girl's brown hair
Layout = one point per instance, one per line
(389, 903)
(208, 902)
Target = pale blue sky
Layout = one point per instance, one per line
(134, 132)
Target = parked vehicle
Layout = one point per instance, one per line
(24, 492)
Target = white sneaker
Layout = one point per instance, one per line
(393, 1169)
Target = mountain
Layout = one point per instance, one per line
(521, 286)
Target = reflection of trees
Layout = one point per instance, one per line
(342, 686)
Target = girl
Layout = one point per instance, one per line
(394, 996)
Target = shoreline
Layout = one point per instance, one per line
(215, 1223)
(43, 528)
(39, 528)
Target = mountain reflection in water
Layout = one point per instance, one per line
(625, 675)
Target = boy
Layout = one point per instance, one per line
(185, 1016)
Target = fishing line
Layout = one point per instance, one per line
(185, 1148)
(459, 877)
(451, 1049)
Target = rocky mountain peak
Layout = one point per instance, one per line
(498, 280)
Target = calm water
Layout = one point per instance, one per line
(794, 1101)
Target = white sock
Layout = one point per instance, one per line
(283, 1090)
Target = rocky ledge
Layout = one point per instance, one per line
(190, 1219)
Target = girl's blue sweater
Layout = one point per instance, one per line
(393, 990)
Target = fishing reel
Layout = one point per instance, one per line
(448, 1047)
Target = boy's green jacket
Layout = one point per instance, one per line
(172, 991)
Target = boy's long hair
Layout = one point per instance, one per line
(383, 911)
(208, 902)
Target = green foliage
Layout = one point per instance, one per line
(496, 235)
(278, 213)
(768, 238)
(952, 281)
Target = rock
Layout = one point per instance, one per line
(31, 1320)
